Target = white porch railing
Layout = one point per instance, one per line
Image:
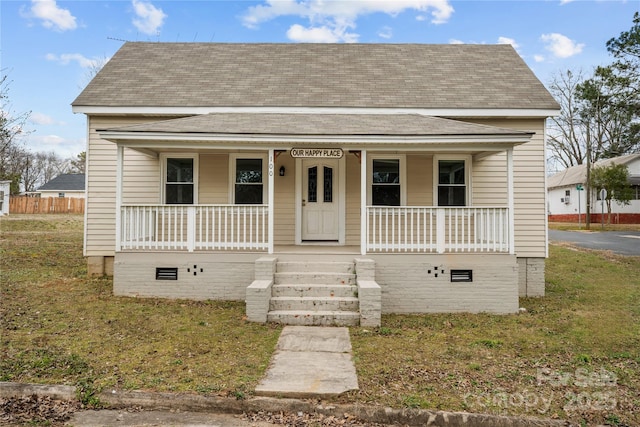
(437, 229)
(199, 227)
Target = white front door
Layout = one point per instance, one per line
(320, 204)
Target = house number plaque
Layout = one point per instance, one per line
(317, 153)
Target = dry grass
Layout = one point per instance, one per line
(595, 226)
(60, 327)
(535, 363)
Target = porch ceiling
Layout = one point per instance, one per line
(397, 131)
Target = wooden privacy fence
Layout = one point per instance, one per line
(45, 205)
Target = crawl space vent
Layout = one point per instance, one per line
(166, 273)
(461, 275)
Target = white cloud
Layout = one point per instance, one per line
(507, 40)
(63, 147)
(149, 18)
(66, 58)
(52, 15)
(563, 2)
(455, 41)
(538, 58)
(331, 20)
(42, 119)
(561, 46)
(385, 32)
(298, 33)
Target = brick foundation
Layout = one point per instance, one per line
(616, 218)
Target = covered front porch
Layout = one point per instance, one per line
(387, 183)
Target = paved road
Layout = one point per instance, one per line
(620, 242)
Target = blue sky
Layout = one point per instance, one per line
(47, 47)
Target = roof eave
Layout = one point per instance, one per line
(441, 112)
(156, 142)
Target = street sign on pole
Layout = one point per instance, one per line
(603, 194)
(580, 188)
(603, 197)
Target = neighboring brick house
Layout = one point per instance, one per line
(569, 204)
(323, 183)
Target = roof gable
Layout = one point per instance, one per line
(316, 75)
(65, 182)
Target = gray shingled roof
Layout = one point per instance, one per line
(65, 182)
(578, 174)
(144, 74)
(318, 124)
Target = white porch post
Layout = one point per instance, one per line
(191, 228)
(440, 230)
(119, 176)
(363, 202)
(271, 198)
(510, 191)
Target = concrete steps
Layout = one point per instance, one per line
(314, 294)
(315, 277)
(314, 303)
(314, 290)
(315, 318)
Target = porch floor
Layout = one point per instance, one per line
(320, 249)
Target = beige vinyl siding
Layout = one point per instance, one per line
(213, 180)
(284, 227)
(419, 180)
(489, 181)
(352, 221)
(529, 172)
(141, 185)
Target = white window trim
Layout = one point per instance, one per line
(163, 173)
(467, 176)
(403, 175)
(232, 174)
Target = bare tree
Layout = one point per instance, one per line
(78, 165)
(12, 128)
(567, 132)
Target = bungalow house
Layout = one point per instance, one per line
(70, 185)
(320, 183)
(568, 201)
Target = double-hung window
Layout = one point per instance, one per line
(179, 180)
(248, 180)
(387, 181)
(452, 182)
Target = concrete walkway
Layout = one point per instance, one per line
(310, 361)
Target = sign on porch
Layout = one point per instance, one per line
(318, 153)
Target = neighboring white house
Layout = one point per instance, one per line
(320, 183)
(566, 202)
(5, 190)
(68, 185)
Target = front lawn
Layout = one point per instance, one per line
(574, 354)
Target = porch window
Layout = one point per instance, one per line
(179, 183)
(249, 186)
(386, 182)
(452, 182)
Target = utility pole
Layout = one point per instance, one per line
(587, 224)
